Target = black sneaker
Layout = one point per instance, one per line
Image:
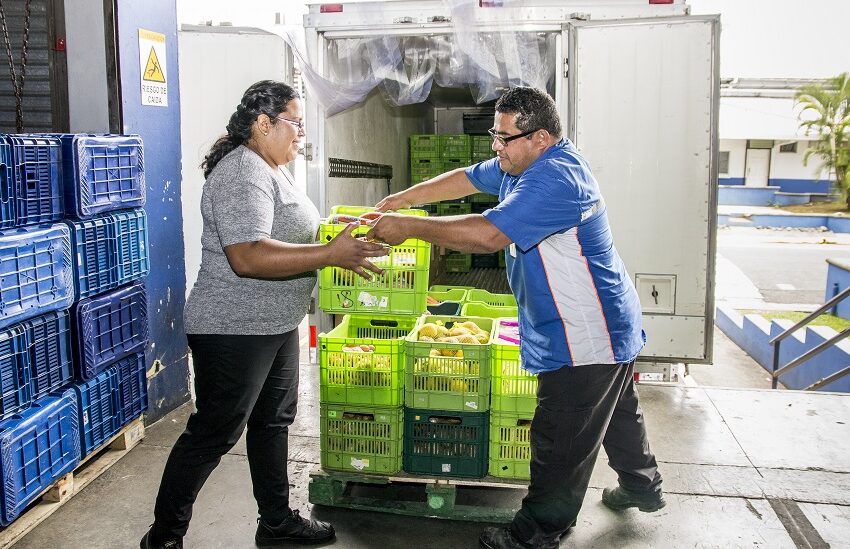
(146, 543)
(293, 529)
(620, 499)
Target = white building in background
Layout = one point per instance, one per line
(768, 49)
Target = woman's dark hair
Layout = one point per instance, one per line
(265, 97)
(534, 108)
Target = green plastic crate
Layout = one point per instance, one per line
(502, 259)
(455, 146)
(425, 144)
(362, 439)
(510, 445)
(449, 164)
(460, 383)
(401, 289)
(477, 308)
(482, 145)
(483, 198)
(446, 443)
(350, 375)
(445, 288)
(513, 389)
(456, 262)
(491, 299)
(425, 168)
(453, 208)
(449, 301)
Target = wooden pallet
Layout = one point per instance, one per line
(431, 496)
(91, 467)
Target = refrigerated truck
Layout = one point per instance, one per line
(637, 86)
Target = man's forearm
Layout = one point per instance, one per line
(463, 233)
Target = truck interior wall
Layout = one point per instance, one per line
(377, 132)
(216, 67)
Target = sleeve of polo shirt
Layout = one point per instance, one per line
(534, 210)
(243, 210)
(486, 176)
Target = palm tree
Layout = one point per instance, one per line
(826, 108)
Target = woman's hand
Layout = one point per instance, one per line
(352, 253)
(393, 202)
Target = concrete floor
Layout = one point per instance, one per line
(734, 461)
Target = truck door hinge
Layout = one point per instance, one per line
(307, 151)
(581, 16)
(566, 68)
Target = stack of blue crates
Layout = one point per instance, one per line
(73, 306)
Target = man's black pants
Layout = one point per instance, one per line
(239, 380)
(579, 409)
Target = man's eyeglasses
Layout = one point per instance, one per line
(503, 140)
(298, 125)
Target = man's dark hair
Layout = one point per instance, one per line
(534, 108)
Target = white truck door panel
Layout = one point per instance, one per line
(641, 104)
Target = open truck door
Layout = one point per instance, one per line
(641, 104)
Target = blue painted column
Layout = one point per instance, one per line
(159, 127)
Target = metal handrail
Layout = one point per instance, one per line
(777, 371)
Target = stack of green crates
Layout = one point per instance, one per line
(455, 151)
(361, 367)
(512, 403)
(482, 148)
(447, 397)
(425, 157)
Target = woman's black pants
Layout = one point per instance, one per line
(239, 380)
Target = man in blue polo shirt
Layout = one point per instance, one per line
(579, 314)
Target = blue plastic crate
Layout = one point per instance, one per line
(14, 371)
(36, 272)
(100, 410)
(110, 250)
(108, 327)
(131, 230)
(7, 187)
(49, 342)
(37, 161)
(102, 173)
(133, 383)
(37, 447)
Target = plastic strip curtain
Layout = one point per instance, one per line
(404, 68)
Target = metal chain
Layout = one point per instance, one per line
(17, 86)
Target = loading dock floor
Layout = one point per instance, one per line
(742, 468)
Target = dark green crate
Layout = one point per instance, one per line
(453, 208)
(444, 443)
(456, 262)
(364, 439)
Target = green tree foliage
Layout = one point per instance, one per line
(826, 113)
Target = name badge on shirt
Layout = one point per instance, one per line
(512, 249)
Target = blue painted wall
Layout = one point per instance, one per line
(837, 280)
(746, 196)
(801, 185)
(160, 130)
(730, 180)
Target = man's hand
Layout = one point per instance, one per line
(392, 202)
(390, 228)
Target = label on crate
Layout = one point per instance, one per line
(446, 467)
(86, 417)
(368, 300)
(472, 404)
(360, 463)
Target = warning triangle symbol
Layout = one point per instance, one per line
(153, 71)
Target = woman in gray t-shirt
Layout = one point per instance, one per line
(258, 269)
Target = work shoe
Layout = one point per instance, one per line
(620, 499)
(293, 529)
(503, 538)
(176, 543)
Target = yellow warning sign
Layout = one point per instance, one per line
(153, 70)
